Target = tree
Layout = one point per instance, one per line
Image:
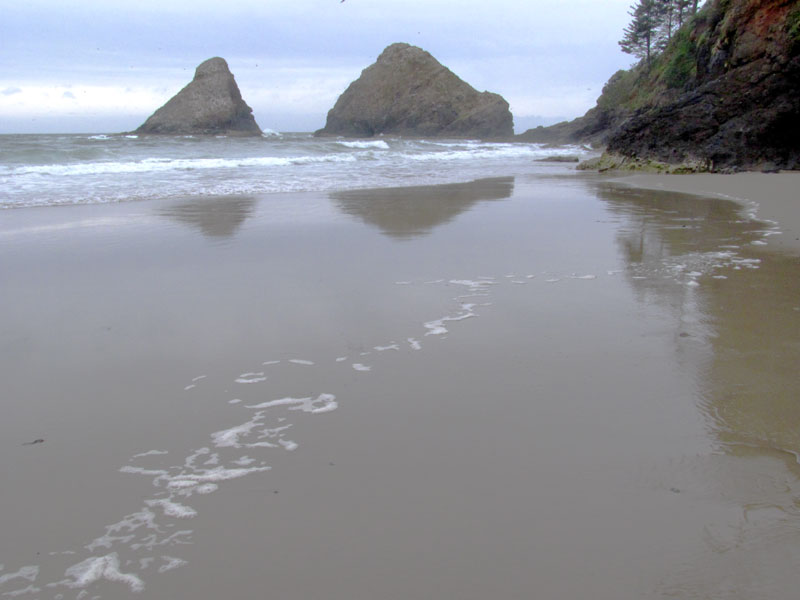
(641, 36)
(652, 26)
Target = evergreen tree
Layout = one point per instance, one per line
(652, 26)
(641, 36)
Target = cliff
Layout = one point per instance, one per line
(723, 95)
(210, 104)
(408, 92)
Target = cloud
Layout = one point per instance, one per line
(293, 59)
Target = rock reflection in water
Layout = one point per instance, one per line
(408, 212)
(217, 216)
(746, 303)
(737, 315)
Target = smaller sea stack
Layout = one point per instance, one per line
(210, 105)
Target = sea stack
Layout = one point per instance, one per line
(408, 92)
(210, 105)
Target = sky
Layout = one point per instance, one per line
(104, 66)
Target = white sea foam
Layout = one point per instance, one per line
(251, 377)
(141, 471)
(320, 404)
(172, 508)
(162, 165)
(29, 589)
(170, 562)
(299, 361)
(181, 483)
(151, 453)
(415, 345)
(29, 573)
(101, 567)
(385, 348)
(288, 444)
(360, 144)
(229, 438)
(360, 367)
(437, 327)
(206, 488)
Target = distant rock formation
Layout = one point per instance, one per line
(210, 104)
(408, 92)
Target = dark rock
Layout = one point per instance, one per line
(408, 92)
(723, 96)
(559, 159)
(210, 104)
(593, 128)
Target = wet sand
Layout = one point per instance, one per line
(552, 387)
(773, 197)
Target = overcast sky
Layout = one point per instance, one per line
(106, 65)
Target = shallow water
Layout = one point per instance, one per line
(53, 170)
(530, 386)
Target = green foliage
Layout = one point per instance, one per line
(642, 33)
(793, 24)
(618, 90)
(680, 60)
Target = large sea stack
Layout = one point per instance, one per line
(408, 92)
(210, 104)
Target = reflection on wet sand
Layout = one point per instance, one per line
(737, 314)
(747, 301)
(217, 216)
(413, 211)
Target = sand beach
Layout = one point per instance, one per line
(552, 385)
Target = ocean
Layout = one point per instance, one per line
(362, 369)
(47, 170)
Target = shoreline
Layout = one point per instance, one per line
(769, 197)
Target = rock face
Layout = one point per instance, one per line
(408, 92)
(724, 95)
(210, 104)
(743, 108)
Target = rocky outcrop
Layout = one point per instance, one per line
(724, 95)
(408, 92)
(742, 110)
(210, 104)
(593, 128)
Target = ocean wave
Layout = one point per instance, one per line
(495, 151)
(149, 165)
(361, 144)
(102, 168)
